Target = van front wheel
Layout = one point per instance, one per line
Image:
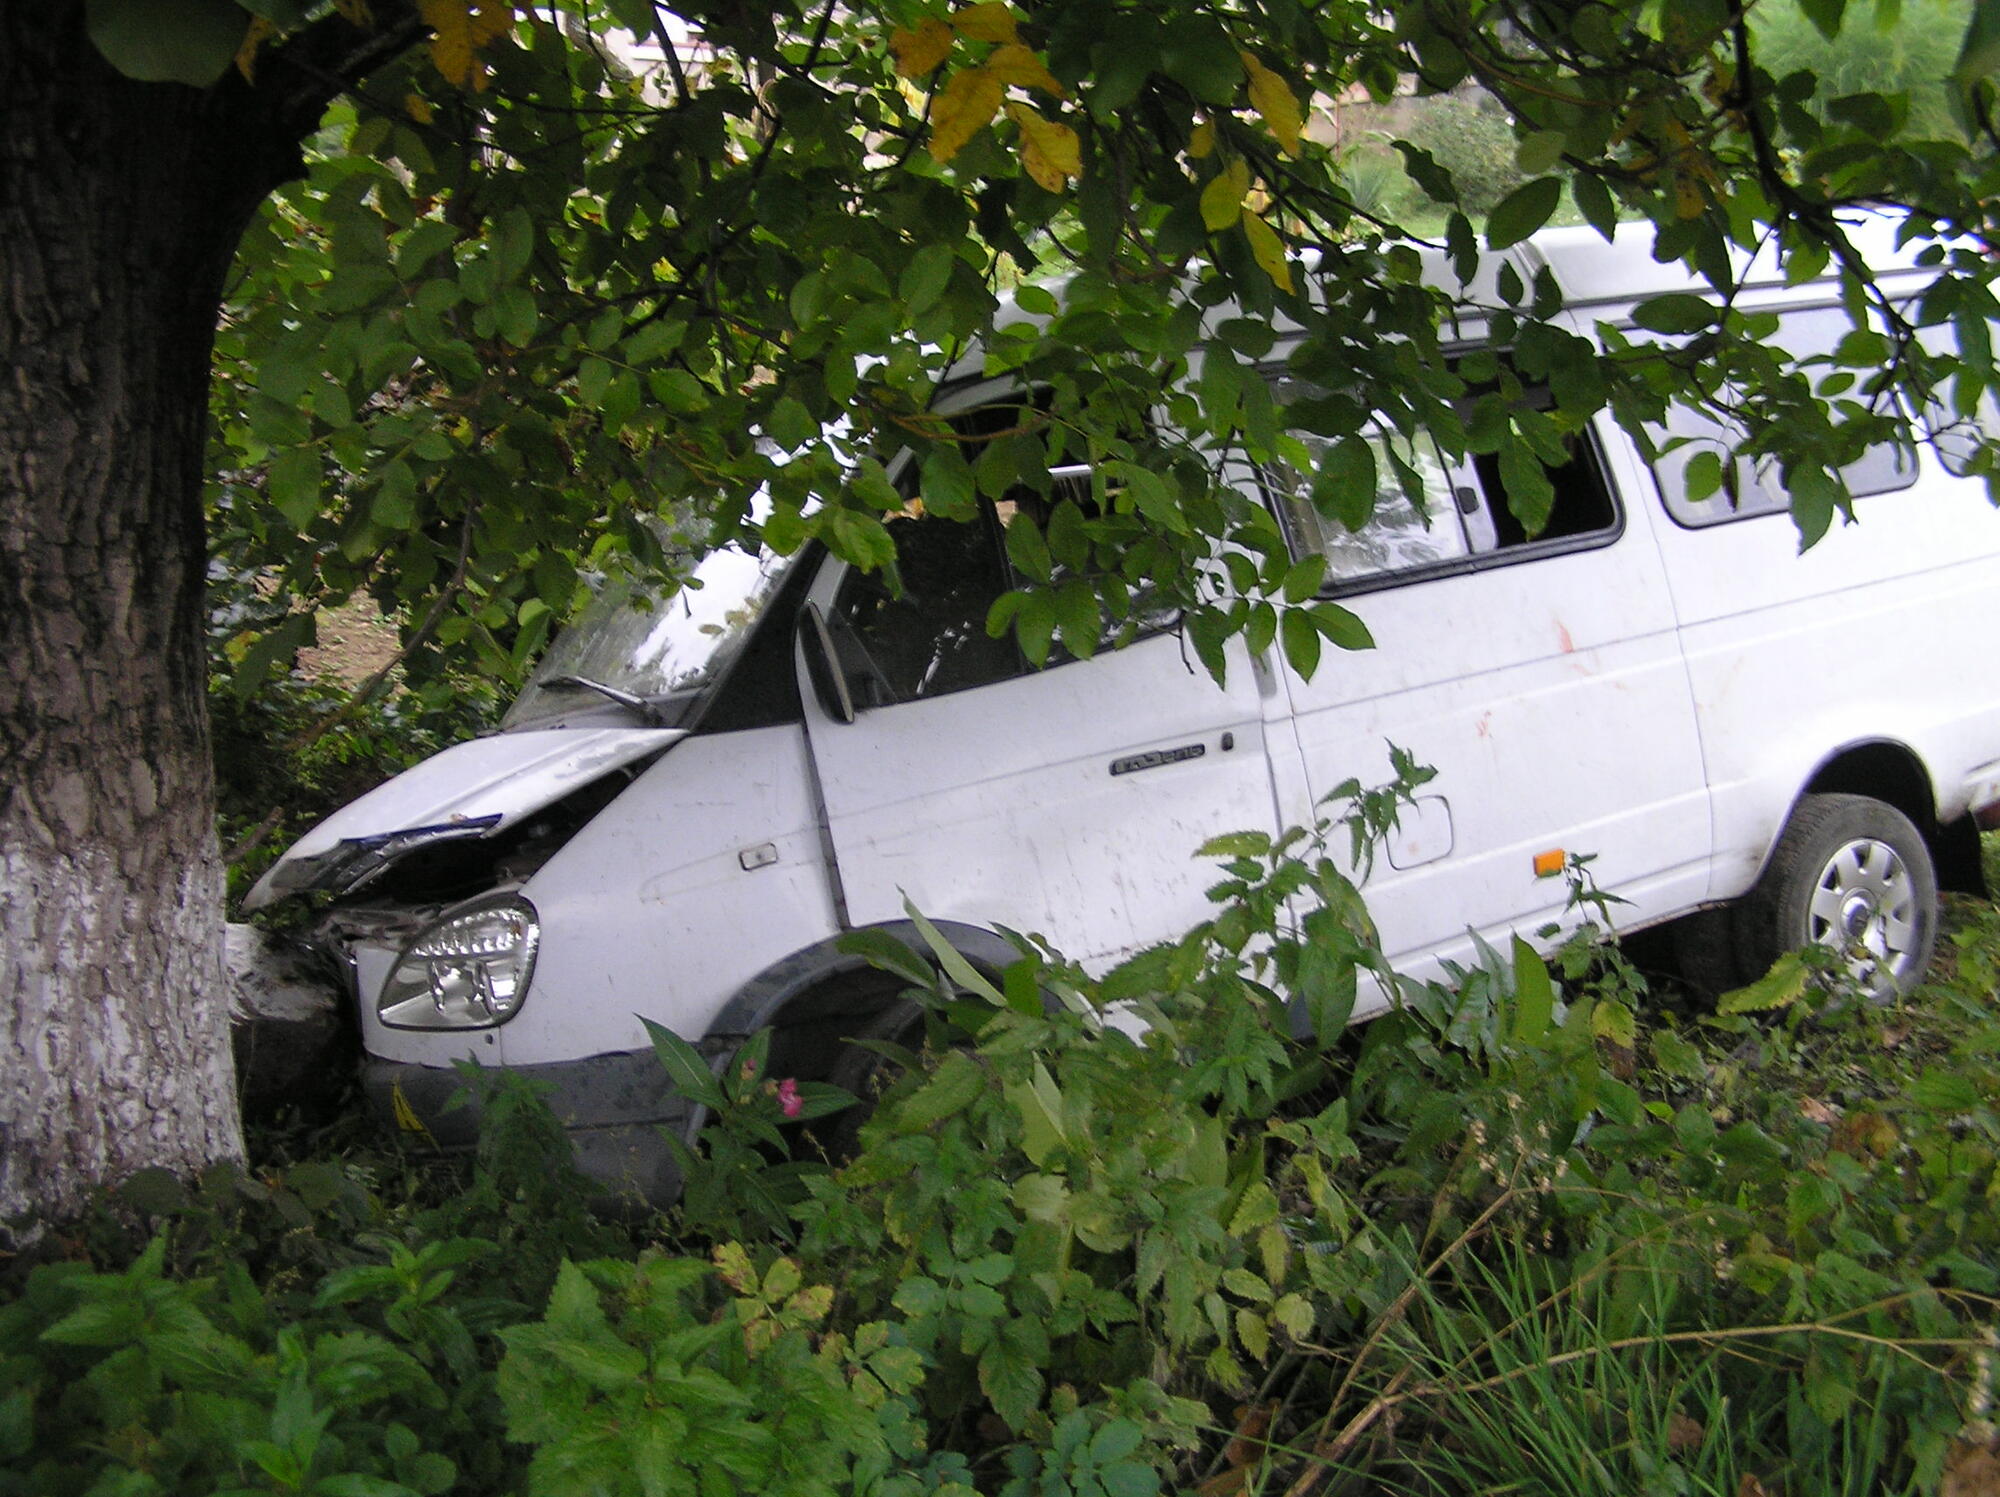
(1850, 873)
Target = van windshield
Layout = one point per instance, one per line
(665, 653)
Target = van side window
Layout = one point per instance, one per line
(1459, 518)
(917, 628)
(1400, 535)
(1808, 333)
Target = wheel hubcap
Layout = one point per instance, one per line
(1865, 907)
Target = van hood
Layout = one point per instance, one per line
(473, 789)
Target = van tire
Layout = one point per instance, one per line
(1852, 873)
(867, 1074)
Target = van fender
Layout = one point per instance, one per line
(1895, 773)
(761, 1002)
(1752, 812)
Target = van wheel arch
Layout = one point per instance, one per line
(1891, 772)
(820, 996)
(1708, 945)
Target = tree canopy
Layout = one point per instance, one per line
(539, 286)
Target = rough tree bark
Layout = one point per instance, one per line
(120, 206)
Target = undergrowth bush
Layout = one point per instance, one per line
(1174, 1228)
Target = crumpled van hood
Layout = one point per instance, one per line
(472, 789)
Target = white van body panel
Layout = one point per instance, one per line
(1885, 631)
(650, 910)
(1549, 696)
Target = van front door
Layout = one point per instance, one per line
(1067, 801)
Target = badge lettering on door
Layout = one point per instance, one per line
(1136, 762)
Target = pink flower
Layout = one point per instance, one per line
(790, 1103)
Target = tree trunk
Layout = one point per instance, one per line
(120, 207)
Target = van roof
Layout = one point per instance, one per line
(1592, 272)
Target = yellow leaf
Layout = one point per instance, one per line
(920, 51)
(1268, 249)
(1687, 197)
(406, 1115)
(1613, 1021)
(246, 55)
(966, 107)
(1222, 199)
(1276, 103)
(989, 21)
(417, 107)
(460, 30)
(1201, 141)
(1015, 64)
(1048, 150)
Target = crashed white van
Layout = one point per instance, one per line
(688, 806)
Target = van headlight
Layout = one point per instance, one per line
(469, 970)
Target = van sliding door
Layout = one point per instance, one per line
(1538, 674)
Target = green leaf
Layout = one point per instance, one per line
(884, 951)
(1197, 53)
(689, 1073)
(1301, 639)
(958, 1083)
(949, 957)
(167, 41)
(293, 484)
(1304, 578)
(790, 425)
(1530, 495)
(1343, 487)
(270, 651)
(1079, 618)
(1784, 984)
(1594, 201)
(1522, 211)
(680, 392)
(1945, 1091)
(593, 377)
(1702, 476)
(355, 1484)
(1540, 151)
(1236, 845)
(1534, 995)
(395, 504)
(1341, 626)
(1009, 1377)
(925, 278)
(1675, 312)
(1979, 53)
(1027, 549)
(1825, 16)
(947, 489)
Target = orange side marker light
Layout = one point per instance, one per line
(1549, 864)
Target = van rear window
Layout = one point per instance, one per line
(1759, 488)
(1432, 514)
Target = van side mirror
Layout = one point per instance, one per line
(823, 665)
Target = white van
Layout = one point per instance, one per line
(688, 806)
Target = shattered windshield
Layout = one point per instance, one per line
(629, 643)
